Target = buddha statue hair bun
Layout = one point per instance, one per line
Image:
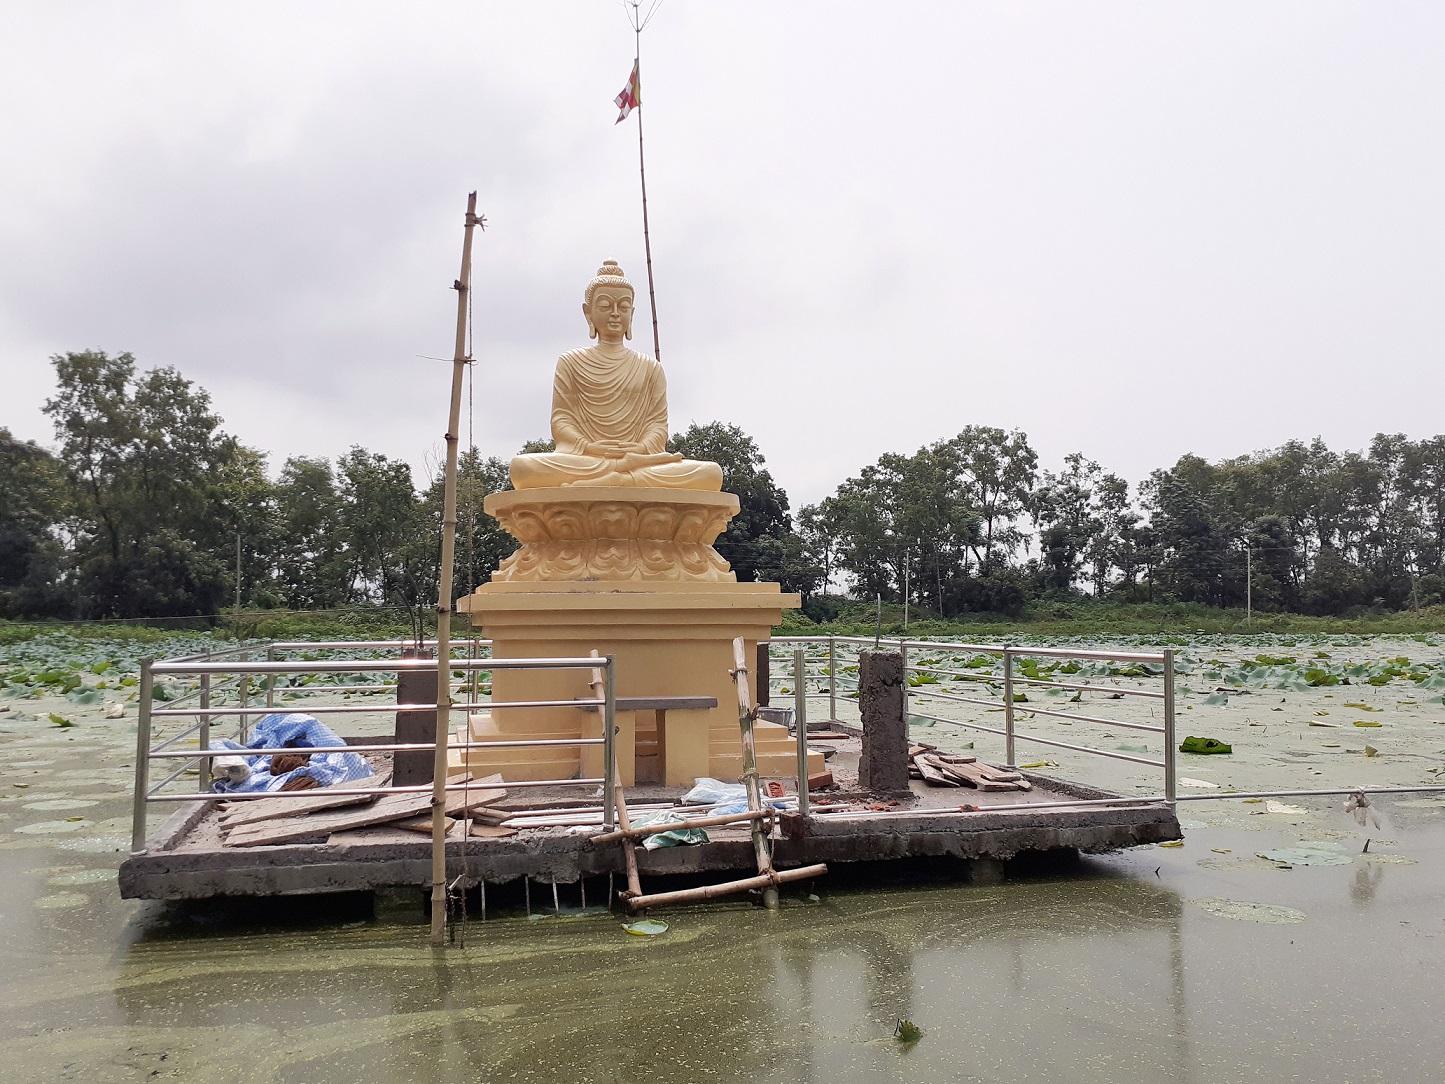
(609, 274)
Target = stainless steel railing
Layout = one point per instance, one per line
(1007, 675)
(240, 669)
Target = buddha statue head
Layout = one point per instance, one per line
(607, 305)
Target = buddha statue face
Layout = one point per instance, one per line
(609, 313)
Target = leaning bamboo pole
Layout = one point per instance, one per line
(711, 892)
(680, 826)
(629, 847)
(750, 774)
(463, 287)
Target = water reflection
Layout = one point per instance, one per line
(1090, 972)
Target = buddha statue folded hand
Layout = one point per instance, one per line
(609, 409)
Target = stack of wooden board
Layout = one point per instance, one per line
(939, 769)
(260, 822)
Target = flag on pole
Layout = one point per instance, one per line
(631, 96)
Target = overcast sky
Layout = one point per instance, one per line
(1130, 229)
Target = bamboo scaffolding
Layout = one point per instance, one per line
(678, 826)
(629, 849)
(770, 880)
(750, 773)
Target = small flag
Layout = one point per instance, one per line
(631, 96)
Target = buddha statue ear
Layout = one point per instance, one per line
(591, 327)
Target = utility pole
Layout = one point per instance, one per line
(905, 592)
(1248, 584)
(238, 570)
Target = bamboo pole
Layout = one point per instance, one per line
(629, 849)
(750, 773)
(463, 287)
(712, 892)
(677, 826)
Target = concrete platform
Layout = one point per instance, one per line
(186, 859)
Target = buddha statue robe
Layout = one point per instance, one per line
(609, 420)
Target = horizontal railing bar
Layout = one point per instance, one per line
(1019, 735)
(996, 679)
(367, 709)
(258, 646)
(958, 722)
(346, 666)
(357, 792)
(1019, 650)
(216, 690)
(1423, 788)
(284, 690)
(393, 747)
(1089, 688)
(182, 770)
(1016, 807)
(186, 733)
(367, 645)
(963, 699)
(1092, 719)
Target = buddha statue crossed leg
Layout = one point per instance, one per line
(609, 409)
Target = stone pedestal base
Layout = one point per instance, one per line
(669, 639)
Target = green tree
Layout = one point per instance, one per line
(147, 460)
(393, 544)
(31, 498)
(309, 555)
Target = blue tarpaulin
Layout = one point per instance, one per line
(273, 732)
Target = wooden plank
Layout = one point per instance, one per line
(254, 810)
(932, 775)
(657, 703)
(491, 831)
(974, 775)
(953, 758)
(457, 829)
(389, 807)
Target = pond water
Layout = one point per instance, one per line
(1198, 963)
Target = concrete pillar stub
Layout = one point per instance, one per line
(883, 766)
(413, 768)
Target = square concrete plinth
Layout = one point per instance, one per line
(669, 639)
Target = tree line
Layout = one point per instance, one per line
(146, 507)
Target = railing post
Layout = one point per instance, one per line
(800, 719)
(1008, 706)
(243, 698)
(832, 678)
(609, 745)
(203, 736)
(270, 679)
(1170, 752)
(142, 761)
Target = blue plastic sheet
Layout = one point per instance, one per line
(273, 732)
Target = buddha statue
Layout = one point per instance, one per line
(609, 409)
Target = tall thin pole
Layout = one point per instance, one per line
(637, 25)
(463, 287)
(238, 570)
(1248, 585)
